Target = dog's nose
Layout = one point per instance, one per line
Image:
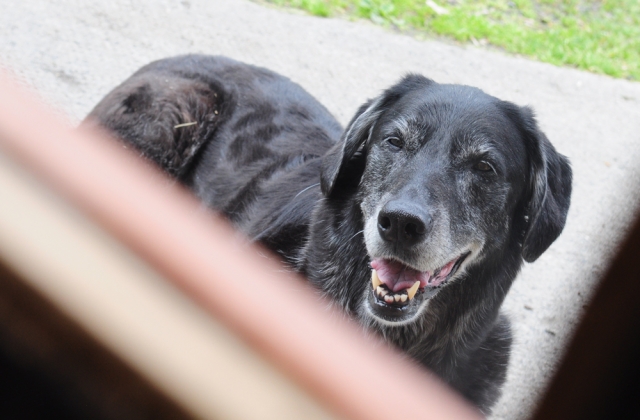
(407, 225)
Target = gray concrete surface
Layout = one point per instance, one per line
(72, 52)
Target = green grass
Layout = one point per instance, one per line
(598, 36)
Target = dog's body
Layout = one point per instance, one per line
(441, 189)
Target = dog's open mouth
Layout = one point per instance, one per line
(396, 285)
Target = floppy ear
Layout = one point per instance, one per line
(349, 152)
(336, 160)
(550, 179)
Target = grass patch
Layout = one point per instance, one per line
(598, 36)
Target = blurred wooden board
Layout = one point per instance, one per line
(49, 249)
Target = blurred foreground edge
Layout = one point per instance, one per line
(599, 377)
(120, 297)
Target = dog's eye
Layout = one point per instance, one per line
(395, 143)
(483, 166)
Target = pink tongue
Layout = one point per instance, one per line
(444, 272)
(397, 276)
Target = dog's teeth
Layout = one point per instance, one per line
(403, 298)
(380, 291)
(413, 289)
(397, 298)
(375, 280)
(388, 298)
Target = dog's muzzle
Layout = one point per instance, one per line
(398, 291)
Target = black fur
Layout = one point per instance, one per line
(425, 177)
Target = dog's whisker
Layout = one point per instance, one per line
(356, 234)
(306, 189)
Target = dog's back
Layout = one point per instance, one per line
(246, 140)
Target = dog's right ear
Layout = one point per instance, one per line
(350, 150)
(336, 160)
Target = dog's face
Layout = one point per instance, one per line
(450, 178)
(445, 169)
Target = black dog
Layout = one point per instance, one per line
(415, 219)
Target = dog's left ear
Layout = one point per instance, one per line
(550, 186)
(348, 153)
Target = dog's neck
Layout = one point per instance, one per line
(335, 252)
